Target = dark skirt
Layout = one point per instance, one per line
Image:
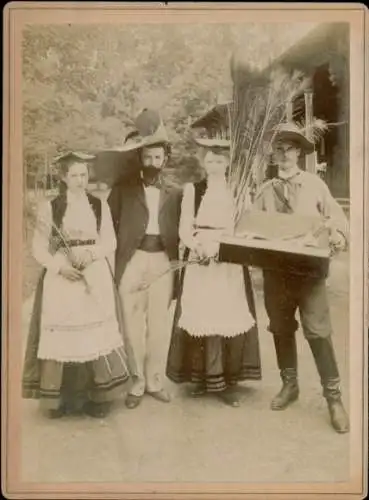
(214, 362)
(56, 383)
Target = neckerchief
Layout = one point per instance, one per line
(285, 190)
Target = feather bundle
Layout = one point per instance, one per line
(260, 104)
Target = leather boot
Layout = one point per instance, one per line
(287, 362)
(339, 418)
(323, 352)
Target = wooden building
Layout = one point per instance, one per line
(323, 55)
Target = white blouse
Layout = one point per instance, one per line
(213, 300)
(216, 210)
(153, 201)
(79, 222)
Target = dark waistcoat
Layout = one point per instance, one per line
(59, 206)
(58, 209)
(130, 218)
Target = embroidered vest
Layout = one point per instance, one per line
(59, 207)
(200, 189)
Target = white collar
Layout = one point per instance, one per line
(76, 198)
(288, 175)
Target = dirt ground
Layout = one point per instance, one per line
(203, 440)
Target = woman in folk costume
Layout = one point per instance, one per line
(75, 345)
(214, 340)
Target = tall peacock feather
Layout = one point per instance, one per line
(260, 102)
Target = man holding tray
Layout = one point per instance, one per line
(298, 192)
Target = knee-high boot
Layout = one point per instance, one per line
(286, 351)
(325, 360)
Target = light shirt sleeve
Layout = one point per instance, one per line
(330, 207)
(41, 237)
(187, 220)
(106, 242)
(259, 200)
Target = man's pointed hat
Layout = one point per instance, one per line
(149, 130)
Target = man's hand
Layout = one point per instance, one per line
(337, 241)
(70, 273)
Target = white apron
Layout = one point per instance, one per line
(78, 323)
(214, 299)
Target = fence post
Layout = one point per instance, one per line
(289, 111)
(311, 158)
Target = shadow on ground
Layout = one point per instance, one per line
(202, 440)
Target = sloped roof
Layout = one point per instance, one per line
(321, 42)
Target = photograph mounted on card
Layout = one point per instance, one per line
(165, 291)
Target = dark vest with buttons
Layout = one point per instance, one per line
(127, 202)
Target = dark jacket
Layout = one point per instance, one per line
(130, 218)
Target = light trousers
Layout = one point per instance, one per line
(146, 315)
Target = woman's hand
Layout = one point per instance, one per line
(81, 259)
(86, 258)
(199, 252)
(70, 273)
(206, 251)
(211, 249)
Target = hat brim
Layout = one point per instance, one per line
(143, 143)
(213, 143)
(74, 155)
(215, 114)
(291, 136)
(126, 148)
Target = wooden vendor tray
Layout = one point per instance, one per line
(273, 241)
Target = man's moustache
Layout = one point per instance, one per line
(151, 171)
(151, 174)
(150, 168)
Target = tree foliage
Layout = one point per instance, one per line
(83, 84)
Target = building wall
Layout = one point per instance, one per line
(328, 45)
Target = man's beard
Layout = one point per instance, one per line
(150, 175)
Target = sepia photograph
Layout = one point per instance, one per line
(185, 253)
